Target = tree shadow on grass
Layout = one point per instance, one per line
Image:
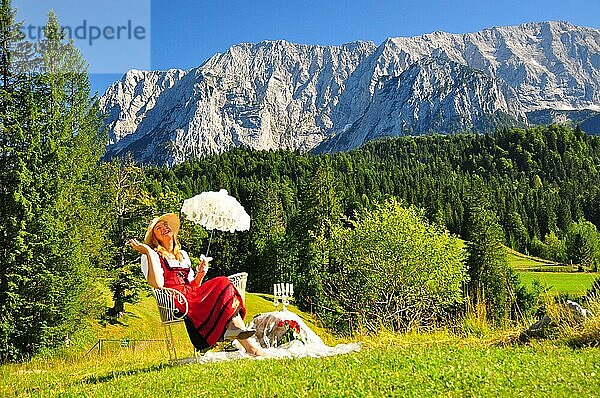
(110, 320)
(268, 297)
(121, 319)
(117, 374)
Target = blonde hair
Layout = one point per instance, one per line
(163, 252)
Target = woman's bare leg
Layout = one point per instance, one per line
(250, 345)
(237, 322)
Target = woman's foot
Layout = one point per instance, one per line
(257, 352)
(252, 348)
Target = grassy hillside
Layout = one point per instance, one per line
(142, 323)
(520, 261)
(414, 364)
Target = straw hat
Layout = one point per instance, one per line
(171, 218)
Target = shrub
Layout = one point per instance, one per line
(392, 268)
(555, 248)
(526, 301)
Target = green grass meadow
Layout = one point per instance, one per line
(520, 261)
(414, 364)
(427, 369)
(557, 279)
(571, 283)
(389, 364)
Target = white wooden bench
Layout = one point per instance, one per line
(166, 298)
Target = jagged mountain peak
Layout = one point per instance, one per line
(434, 95)
(278, 94)
(127, 101)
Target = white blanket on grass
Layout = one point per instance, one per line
(267, 334)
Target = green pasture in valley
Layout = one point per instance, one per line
(521, 262)
(555, 277)
(573, 283)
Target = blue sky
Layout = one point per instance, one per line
(183, 34)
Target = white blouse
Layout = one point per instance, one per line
(173, 263)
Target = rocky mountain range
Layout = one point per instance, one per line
(276, 94)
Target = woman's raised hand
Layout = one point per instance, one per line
(139, 246)
(203, 267)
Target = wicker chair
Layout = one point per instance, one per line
(170, 314)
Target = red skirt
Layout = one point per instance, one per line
(211, 306)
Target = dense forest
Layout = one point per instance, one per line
(541, 183)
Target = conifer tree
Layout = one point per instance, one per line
(17, 107)
(268, 232)
(486, 262)
(53, 146)
(320, 211)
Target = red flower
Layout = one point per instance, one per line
(292, 331)
(294, 325)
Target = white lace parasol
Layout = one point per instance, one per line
(216, 210)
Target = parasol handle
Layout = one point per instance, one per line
(209, 239)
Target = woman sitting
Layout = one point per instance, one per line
(215, 308)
